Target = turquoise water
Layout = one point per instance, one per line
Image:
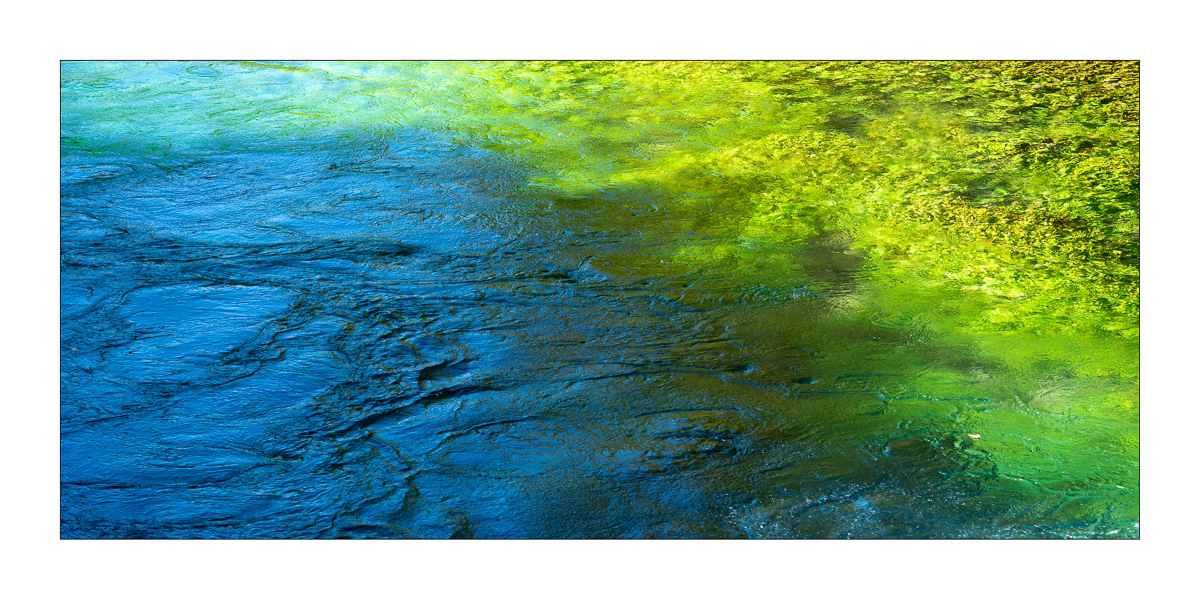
(431, 300)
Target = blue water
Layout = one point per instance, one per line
(391, 334)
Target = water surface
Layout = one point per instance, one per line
(396, 301)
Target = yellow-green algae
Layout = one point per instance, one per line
(994, 207)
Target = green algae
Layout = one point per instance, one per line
(991, 208)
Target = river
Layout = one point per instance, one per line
(345, 301)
